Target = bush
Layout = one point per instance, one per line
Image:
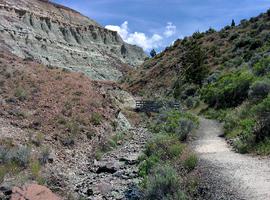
(21, 93)
(175, 123)
(163, 184)
(96, 119)
(184, 128)
(161, 148)
(164, 147)
(147, 165)
(193, 63)
(243, 42)
(3, 172)
(262, 67)
(44, 156)
(20, 156)
(259, 90)
(191, 162)
(262, 111)
(35, 168)
(233, 85)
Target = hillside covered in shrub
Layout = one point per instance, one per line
(224, 74)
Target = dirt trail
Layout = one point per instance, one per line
(226, 174)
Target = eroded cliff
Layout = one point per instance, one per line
(59, 36)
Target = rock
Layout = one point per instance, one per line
(59, 36)
(123, 99)
(104, 188)
(51, 157)
(134, 193)
(131, 159)
(33, 192)
(110, 167)
(123, 123)
(6, 190)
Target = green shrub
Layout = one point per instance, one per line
(164, 147)
(3, 172)
(262, 67)
(118, 137)
(35, 168)
(185, 127)
(262, 111)
(164, 184)
(243, 42)
(161, 148)
(193, 63)
(229, 90)
(259, 90)
(175, 123)
(96, 119)
(263, 148)
(44, 156)
(21, 93)
(19, 155)
(147, 165)
(191, 162)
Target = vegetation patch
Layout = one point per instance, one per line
(165, 154)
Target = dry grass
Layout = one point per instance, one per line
(52, 98)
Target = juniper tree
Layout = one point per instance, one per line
(233, 23)
(153, 53)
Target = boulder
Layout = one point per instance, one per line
(33, 192)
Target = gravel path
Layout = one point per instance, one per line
(226, 174)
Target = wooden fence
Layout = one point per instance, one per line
(154, 106)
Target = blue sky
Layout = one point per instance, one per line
(157, 23)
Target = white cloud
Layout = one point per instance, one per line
(141, 39)
(121, 30)
(170, 29)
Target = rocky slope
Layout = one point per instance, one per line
(59, 36)
(52, 122)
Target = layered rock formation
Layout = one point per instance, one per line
(59, 36)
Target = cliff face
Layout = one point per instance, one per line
(59, 36)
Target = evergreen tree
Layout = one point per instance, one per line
(233, 23)
(193, 63)
(153, 53)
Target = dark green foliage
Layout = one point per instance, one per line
(153, 53)
(197, 35)
(243, 42)
(234, 36)
(262, 67)
(164, 147)
(262, 111)
(96, 119)
(233, 23)
(259, 90)
(230, 90)
(210, 31)
(162, 153)
(163, 184)
(160, 149)
(268, 12)
(255, 44)
(193, 63)
(175, 123)
(191, 162)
